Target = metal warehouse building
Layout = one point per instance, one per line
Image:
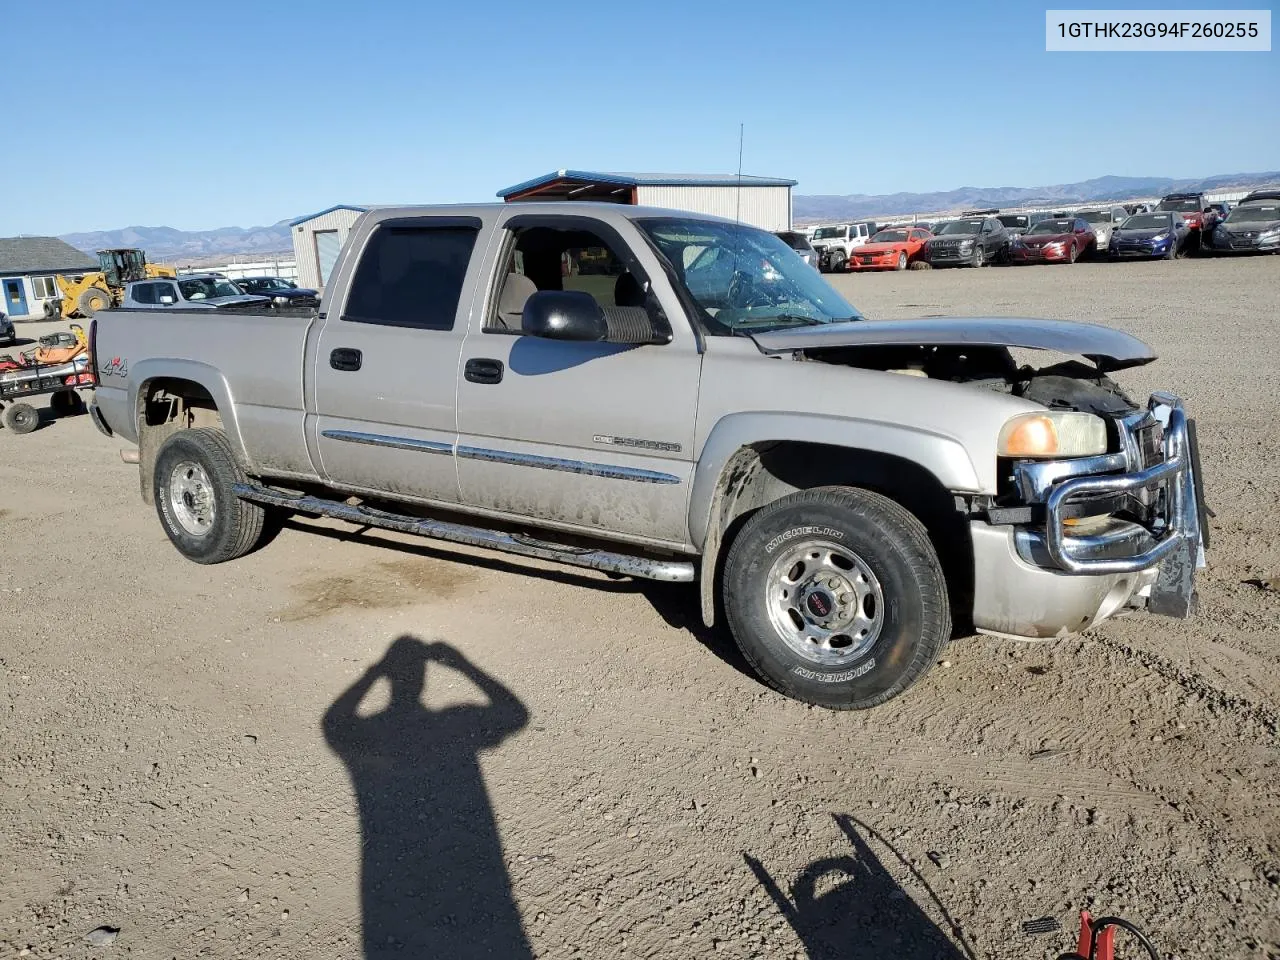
(29, 267)
(760, 201)
(317, 238)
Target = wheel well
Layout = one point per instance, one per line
(165, 406)
(759, 474)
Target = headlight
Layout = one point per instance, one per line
(1268, 234)
(1160, 238)
(1053, 434)
(280, 301)
(966, 244)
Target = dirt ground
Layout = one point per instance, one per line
(189, 756)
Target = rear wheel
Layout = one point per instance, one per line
(836, 597)
(902, 261)
(65, 402)
(92, 300)
(193, 483)
(20, 418)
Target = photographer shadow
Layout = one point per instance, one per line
(433, 878)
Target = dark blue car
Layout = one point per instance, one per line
(282, 292)
(1162, 235)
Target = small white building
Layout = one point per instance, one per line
(318, 238)
(763, 202)
(29, 267)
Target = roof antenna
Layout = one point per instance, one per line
(737, 213)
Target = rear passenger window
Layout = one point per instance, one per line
(411, 277)
(144, 293)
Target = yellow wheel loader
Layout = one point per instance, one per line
(83, 296)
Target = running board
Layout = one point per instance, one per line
(670, 571)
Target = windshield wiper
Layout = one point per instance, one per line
(779, 319)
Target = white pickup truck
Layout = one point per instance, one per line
(677, 397)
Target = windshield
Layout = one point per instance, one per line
(205, 288)
(744, 279)
(960, 226)
(1013, 221)
(1189, 205)
(1255, 214)
(829, 233)
(1050, 226)
(889, 236)
(1095, 216)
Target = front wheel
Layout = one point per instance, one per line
(194, 480)
(837, 263)
(93, 300)
(836, 597)
(1073, 255)
(902, 261)
(979, 257)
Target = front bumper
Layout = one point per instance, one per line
(1088, 558)
(1239, 244)
(1139, 248)
(875, 261)
(952, 256)
(1037, 254)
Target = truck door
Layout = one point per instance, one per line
(592, 437)
(386, 362)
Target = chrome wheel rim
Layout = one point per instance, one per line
(191, 498)
(824, 602)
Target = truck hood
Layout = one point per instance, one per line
(1109, 349)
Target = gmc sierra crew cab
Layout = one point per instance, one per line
(699, 405)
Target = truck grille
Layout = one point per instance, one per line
(1148, 439)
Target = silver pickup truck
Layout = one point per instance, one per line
(666, 395)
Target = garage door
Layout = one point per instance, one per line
(327, 247)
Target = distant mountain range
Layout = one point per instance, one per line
(166, 243)
(856, 206)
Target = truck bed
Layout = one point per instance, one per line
(237, 356)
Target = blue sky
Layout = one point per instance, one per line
(244, 113)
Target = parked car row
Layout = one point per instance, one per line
(1181, 223)
(214, 291)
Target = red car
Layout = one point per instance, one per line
(1060, 240)
(891, 249)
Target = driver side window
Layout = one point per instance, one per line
(541, 258)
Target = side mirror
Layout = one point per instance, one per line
(563, 315)
(166, 299)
